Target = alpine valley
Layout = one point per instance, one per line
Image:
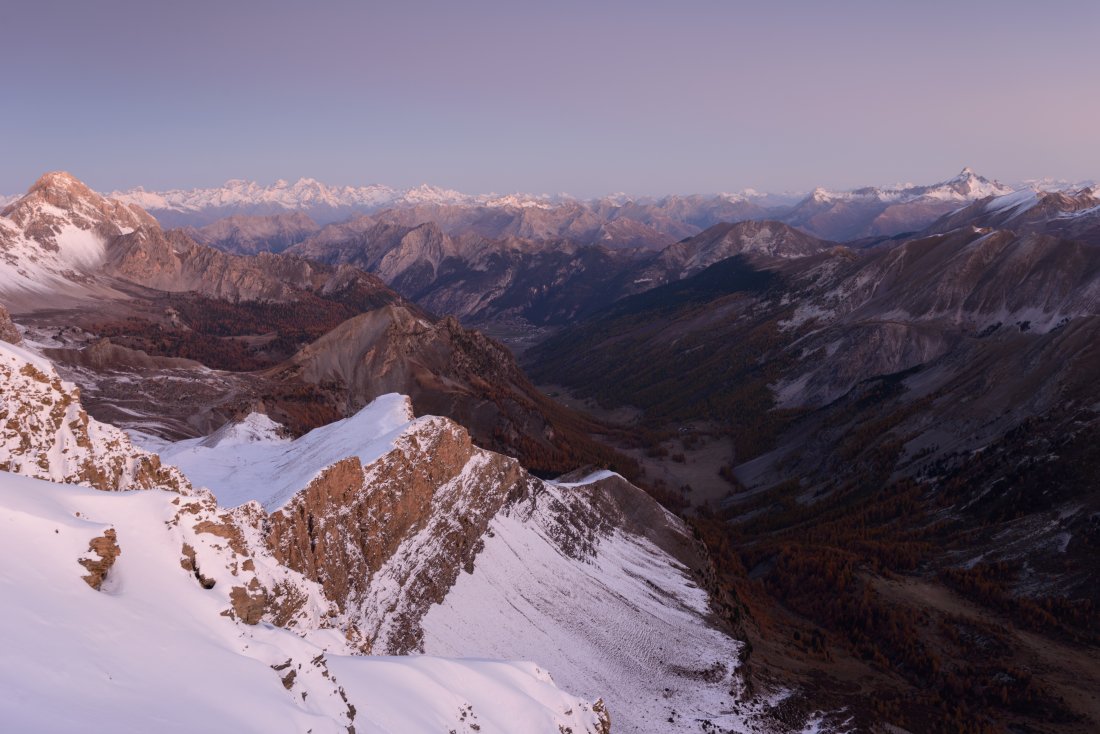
(360, 459)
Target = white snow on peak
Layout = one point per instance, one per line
(251, 461)
(1049, 183)
(303, 193)
(966, 186)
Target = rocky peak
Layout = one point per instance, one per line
(59, 198)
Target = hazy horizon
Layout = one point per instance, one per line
(645, 98)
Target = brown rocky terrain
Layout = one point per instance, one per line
(102, 552)
(446, 370)
(168, 304)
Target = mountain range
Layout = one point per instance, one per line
(870, 418)
(617, 221)
(288, 555)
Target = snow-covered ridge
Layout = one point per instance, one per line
(242, 638)
(311, 194)
(382, 533)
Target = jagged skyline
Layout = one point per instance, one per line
(645, 98)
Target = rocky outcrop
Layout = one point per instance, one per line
(103, 551)
(45, 433)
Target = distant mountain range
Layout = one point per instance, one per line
(617, 220)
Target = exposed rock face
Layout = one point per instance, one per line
(383, 544)
(225, 551)
(105, 549)
(45, 433)
(8, 331)
(434, 491)
(58, 200)
(478, 279)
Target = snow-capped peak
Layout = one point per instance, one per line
(57, 232)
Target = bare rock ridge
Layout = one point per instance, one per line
(446, 370)
(480, 279)
(346, 529)
(249, 235)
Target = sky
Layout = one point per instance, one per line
(587, 98)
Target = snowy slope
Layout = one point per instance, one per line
(151, 651)
(626, 620)
(251, 460)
